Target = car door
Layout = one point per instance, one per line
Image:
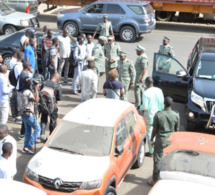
(91, 17)
(169, 82)
(115, 14)
(123, 161)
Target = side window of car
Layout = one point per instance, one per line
(16, 42)
(114, 9)
(122, 133)
(131, 121)
(95, 9)
(39, 41)
(136, 9)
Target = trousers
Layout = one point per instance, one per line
(149, 129)
(64, 62)
(4, 112)
(50, 73)
(77, 71)
(138, 92)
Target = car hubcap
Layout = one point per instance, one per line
(9, 31)
(127, 34)
(7, 61)
(71, 29)
(142, 153)
(110, 193)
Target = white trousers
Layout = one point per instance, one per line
(4, 112)
(77, 71)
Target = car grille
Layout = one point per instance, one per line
(64, 187)
(34, 22)
(209, 105)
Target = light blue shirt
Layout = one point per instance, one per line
(3, 168)
(5, 89)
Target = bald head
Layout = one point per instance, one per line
(3, 131)
(168, 102)
(65, 32)
(55, 77)
(149, 82)
(3, 69)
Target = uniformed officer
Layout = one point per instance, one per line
(141, 65)
(111, 51)
(127, 74)
(98, 53)
(104, 28)
(165, 49)
(165, 123)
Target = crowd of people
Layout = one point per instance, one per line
(90, 60)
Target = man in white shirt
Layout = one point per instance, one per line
(90, 45)
(18, 67)
(24, 39)
(7, 150)
(88, 81)
(13, 59)
(65, 50)
(5, 137)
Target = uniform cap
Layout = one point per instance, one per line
(110, 38)
(105, 16)
(32, 31)
(166, 38)
(122, 53)
(103, 38)
(140, 48)
(91, 58)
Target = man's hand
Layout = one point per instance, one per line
(112, 61)
(107, 59)
(59, 59)
(152, 143)
(131, 85)
(55, 70)
(37, 87)
(141, 80)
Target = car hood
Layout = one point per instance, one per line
(53, 164)
(19, 16)
(70, 10)
(203, 87)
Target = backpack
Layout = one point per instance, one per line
(47, 99)
(46, 57)
(71, 57)
(12, 77)
(17, 104)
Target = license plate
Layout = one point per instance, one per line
(214, 120)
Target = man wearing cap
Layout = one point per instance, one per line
(111, 51)
(165, 123)
(127, 74)
(165, 49)
(98, 53)
(88, 80)
(104, 28)
(141, 65)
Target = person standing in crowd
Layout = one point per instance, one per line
(65, 50)
(98, 53)
(30, 54)
(165, 49)
(45, 30)
(88, 81)
(90, 45)
(14, 58)
(5, 137)
(53, 58)
(46, 44)
(24, 39)
(127, 74)
(153, 101)
(165, 123)
(111, 52)
(7, 151)
(5, 90)
(113, 89)
(28, 117)
(80, 58)
(104, 28)
(53, 84)
(141, 65)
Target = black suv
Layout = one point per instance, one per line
(194, 86)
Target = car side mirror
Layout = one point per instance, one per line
(119, 150)
(181, 74)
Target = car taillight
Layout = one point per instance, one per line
(147, 19)
(27, 9)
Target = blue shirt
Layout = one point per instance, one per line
(5, 89)
(29, 52)
(112, 89)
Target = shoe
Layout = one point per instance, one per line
(66, 83)
(151, 182)
(43, 138)
(21, 137)
(29, 150)
(17, 119)
(148, 154)
(74, 92)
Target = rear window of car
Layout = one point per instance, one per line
(148, 9)
(114, 9)
(141, 10)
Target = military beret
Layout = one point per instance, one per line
(105, 16)
(91, 58)
(122, 53)
(103, 38)
(140, 48)
(110, 37)
(166, 38)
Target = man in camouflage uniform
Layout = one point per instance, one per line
(111, 51)
(104, 28)
(165, 49)
(127, 74)
(141, 65)
(165, 123)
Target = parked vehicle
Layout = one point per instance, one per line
(94, 147)
(11, 21)
(192, 86)
(129, 18)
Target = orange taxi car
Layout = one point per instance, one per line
(90, 151)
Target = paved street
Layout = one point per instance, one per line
(183, 37)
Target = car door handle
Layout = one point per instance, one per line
(140, 133)
(129, 148)
(122, 17)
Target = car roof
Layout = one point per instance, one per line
(207, 44)
(124, 1)
(98, 112)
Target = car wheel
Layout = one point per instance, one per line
(72, 28)
(190, 126)
(111, 191)
(127, 34)
(6, 60)
(163, 16)
(9, 29)
(141, 155)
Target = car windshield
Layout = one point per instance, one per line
(5, 10)
(206, 69)
(82, 139)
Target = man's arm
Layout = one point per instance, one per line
(177, 125)
(111, 29)
(155, 128)
(72, 38)
(133, 74)
(104, 92)
(53, 63)
(144, 63)
(5, 88)
(97, 30)
(36, 98)
(94, 86)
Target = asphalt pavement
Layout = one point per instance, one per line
(183, 38)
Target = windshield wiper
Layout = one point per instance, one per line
(66, 150)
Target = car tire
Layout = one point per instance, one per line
(163, 16)
(127, 34)
(9, 29)
(6, 60)
(111, 191)
(190, 126)
(72, 28)
(141, 155)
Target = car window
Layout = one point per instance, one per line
(148, 9)
(16, 42)
(95, 9)
(39, 42)
(114, 9)
(136, 9)
(130, 120)
(121, 134)
(205, 69)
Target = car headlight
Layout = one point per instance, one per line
(24, 23)
(197, 99)
(32, 175)
(91, 184)
(60, 15)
